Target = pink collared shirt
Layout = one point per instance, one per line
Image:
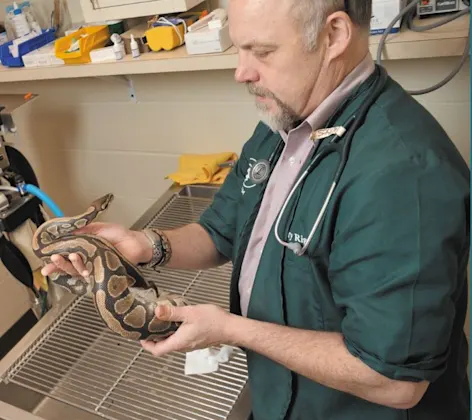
(297, 149)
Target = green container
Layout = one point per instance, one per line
(116, 26)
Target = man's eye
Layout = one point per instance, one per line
(261, 54)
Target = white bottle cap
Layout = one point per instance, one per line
(115, 38)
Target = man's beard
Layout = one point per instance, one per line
(283, 119)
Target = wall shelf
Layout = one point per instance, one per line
(446, 41)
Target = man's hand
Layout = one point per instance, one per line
(192, 248)
(202, 326)
(132, 244)
(319, 356)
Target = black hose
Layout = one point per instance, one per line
(409, 12)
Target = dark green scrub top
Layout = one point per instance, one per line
(387, 269)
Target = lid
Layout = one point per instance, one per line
(11, 7)
(116, 39)
(16, 9)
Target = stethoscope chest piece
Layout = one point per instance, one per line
(260, 172)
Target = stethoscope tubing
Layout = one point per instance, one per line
(351, 127)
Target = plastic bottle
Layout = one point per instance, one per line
(31, 17)
(8, 23)
(20, 22)
(118, 46)
(134, 47)
(117, 49)
(3, 35)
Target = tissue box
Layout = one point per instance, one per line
(206, 41)
(383, 12)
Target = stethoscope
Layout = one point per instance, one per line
(261, 170)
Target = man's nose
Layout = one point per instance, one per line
(245, 73)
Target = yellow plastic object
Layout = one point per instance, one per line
(166, 37)
(40, 282)
(96, 37)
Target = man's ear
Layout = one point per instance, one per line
(339, 31)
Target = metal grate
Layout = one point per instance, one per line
(209, 286)
(80, 362)
(179, 211)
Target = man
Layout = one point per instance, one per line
(368, 324)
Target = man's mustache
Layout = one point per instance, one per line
(259, 91)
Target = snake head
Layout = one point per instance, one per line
(107, 200)
(103, 202)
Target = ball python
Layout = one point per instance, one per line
(123, 298)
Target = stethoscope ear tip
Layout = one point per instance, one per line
(295, 247)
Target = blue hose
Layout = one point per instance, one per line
(32, 189)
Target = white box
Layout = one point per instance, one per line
(102, 55)
(383, 12)
(42, 57)
(207, 41)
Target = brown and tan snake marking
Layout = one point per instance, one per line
(124, 299)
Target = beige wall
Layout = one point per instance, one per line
(86, 137)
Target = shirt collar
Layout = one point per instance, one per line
(322, 113)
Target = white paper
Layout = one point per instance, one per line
(204, 361)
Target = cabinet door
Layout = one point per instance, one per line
(100, 10)
(99, 4)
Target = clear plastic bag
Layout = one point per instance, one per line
(30, 14)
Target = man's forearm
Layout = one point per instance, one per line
(191, 249)
(323, 358)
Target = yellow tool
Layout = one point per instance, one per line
(168, 33)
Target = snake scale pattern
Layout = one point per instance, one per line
(124, 299)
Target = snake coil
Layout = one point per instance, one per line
(124, 299)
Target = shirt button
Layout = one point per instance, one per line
(291, 161)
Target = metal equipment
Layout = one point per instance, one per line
(70, 366)
(435, 7)
(19, 213)
(17, 208)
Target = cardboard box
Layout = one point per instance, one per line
(383, 12)
(138, 32)
(207, 41)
